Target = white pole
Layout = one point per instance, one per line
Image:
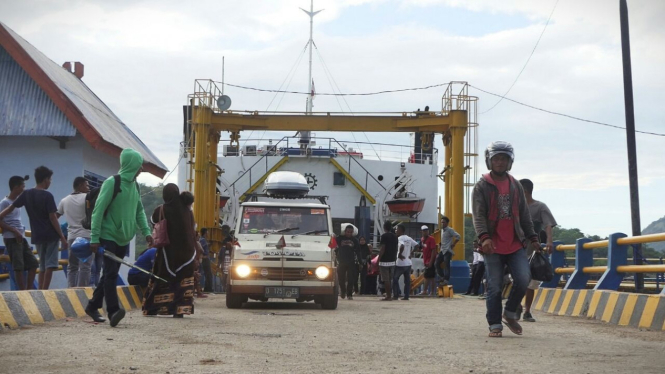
(305, 135)
(311, 41)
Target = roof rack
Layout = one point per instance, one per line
(255, 196)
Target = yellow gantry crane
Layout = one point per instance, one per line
(456, 123)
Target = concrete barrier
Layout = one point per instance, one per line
(20, 308)
(617, 308)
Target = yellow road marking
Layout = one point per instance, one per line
(628, 310)
(595, 299)
(123, 299)
(581, 297)
(54, 305)
(541, 299)
(135, 296)
(88, 292)
(76, 303)
(649, 311)
(555, 300)
(609, 307)
(6, 316)
(30, 307)
(566, 302)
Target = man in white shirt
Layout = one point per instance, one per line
(403, 264)
(72, 207)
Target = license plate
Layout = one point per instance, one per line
(282, 292)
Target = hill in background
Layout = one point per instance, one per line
(656, 227)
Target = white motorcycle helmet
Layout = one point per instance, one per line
(499, 147)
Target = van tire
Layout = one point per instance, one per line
(329, 302)
(234, 301)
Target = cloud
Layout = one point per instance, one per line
(142, 58)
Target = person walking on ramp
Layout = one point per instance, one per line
(114, 220)
(175, 260)
(504, 228)
(543, 223)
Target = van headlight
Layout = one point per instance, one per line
(243, 271)
(322, 272)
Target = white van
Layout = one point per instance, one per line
(300, 267)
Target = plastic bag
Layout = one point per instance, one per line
(81, 249)
(541, 269)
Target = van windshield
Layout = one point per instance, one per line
(294, 220)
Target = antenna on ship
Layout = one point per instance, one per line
(304, 135)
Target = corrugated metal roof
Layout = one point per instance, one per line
(25, 110)
(104, 121)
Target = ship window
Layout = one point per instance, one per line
(339, 179)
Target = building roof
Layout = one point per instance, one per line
(74, 99)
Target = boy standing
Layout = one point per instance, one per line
(13, 233)
(41, 209)
(72, 208)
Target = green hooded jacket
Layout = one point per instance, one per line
(126, 211)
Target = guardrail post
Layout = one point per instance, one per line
(557, 259)
(617, 255)
(583, 258)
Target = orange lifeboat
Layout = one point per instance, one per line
(409, 206)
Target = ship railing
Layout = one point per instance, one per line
(364, 150)
(331, 148)
(612, 276)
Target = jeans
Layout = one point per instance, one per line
(138, 279)
(519, 268)
(207, 274)
(445, 259)
(106, 289)
(399, 271)
(78, 271)
(476, 278)
(346, 274)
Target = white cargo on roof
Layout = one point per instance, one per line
(286, 183)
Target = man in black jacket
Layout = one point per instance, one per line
(348, 258)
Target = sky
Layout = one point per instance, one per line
(142, 57)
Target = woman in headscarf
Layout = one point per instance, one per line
(175, 261)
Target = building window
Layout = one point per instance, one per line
(94, 180)
(339, 179)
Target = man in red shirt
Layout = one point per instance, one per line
(429, 258)
(503, 224)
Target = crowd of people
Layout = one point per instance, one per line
(507, 220)
(117, 212)
(380, 271)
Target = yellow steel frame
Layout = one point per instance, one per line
(207, 122)
(353, 181)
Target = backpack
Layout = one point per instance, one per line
(91, 199)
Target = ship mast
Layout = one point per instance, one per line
(304, 135)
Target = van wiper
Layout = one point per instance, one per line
(310, 232)
(281, 231)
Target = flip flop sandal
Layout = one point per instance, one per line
(495, 333)
(512, 324)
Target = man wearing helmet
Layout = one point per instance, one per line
(503, 224)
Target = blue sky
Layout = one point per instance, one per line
(142, 57)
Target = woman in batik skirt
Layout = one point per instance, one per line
(175, 261)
